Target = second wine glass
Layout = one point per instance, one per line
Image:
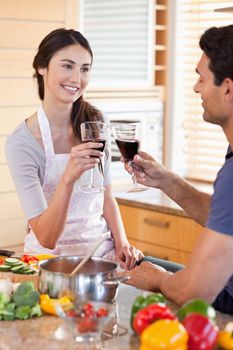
(128, 138)
(94, 131)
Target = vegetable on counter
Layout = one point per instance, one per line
(29, 259)
(149, 314)
(23, 304)
(197, 306)
(225, 337)
(202, 332)
(164, 334)
(48, 305)
(141, 301)
(17, 266)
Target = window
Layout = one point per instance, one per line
(121, 36)
(198, 145)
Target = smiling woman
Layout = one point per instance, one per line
(48, 161)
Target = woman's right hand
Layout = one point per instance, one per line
(83, 157)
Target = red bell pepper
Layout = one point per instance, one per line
(149, 314)
(202, 332)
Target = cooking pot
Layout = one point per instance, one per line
(97, 280)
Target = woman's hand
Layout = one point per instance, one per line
(128, 255)
(82, 158)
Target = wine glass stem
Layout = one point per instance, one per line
(92, 177)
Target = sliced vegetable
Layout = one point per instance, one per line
(149, 314)
(142, 301)
(164, 334)
(225, 337)
(48, 305)
(11, 261)
(5, 268)
(197, 306)
(29, 259)
(202, 332)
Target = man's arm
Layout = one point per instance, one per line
(152, 174)
(207, 272)
(194, 202)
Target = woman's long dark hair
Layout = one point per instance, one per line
(58, 39)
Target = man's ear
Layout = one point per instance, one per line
(228, 88)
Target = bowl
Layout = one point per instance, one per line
(86, 320)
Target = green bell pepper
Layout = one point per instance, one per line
(197, 306)
(141, 301)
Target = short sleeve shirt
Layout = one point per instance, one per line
(221, 211)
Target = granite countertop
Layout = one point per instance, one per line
(49, 332)
(152, 199)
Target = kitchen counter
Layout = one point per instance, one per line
(49, 332)
(153, 199)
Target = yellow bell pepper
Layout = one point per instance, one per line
(225, 337)
(164, 334)
(47, 304)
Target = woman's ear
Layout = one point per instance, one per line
(42, 71)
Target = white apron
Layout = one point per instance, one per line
(85, 224)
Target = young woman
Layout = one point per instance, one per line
(48, 161)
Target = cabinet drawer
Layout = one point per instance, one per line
(161, 252)
(161, 229)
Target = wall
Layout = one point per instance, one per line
(23, 23)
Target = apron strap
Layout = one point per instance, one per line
(45, 133)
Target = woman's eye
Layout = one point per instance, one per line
(67, 66)
(85, 69)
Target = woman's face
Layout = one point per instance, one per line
(67, 74)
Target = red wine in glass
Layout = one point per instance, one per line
(101, 149)
(128, 148)
(128, 136)
(94, 132)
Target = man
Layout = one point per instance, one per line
(209, 272)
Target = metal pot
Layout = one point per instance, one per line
(97, 280)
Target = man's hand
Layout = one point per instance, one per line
(147, 171)
(145, 276)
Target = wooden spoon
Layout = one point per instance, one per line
(89, 255)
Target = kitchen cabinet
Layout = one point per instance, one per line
(160, 45)
(165, 236)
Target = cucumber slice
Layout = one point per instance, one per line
(5, 268)
(17, 269)
(12, 261)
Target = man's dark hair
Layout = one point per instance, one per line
(217, 44)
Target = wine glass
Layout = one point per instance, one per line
(94, 132)
(128, 137)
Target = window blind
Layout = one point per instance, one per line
(120, 35)
(198, 145)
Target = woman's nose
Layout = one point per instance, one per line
(76, 76)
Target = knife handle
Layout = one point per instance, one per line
(6, 252)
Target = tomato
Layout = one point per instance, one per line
(29, 259)
(86, 324)
(88, 310)
(71, 313)
(102, 312)
(1, 261)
